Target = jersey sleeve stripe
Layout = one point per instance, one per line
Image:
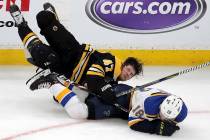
(98, 67)
(132, 122)
(95, 73)
(96, 70)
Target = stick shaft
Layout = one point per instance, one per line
(165, 78)
(85, 89)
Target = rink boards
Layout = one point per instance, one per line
(173, 45)
(148, 57)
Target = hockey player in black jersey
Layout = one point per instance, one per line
(150, 110)
(65, 56)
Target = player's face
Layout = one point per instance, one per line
(127, 72)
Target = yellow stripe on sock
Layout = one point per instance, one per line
(62, 94)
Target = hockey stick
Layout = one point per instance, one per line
(85, 89)
(165, 78)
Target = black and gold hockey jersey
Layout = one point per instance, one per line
(106, 67)
(94, 68)
(80, 63)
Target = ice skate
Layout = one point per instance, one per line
(16, 15)
(42, 80)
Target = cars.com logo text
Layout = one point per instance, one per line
(145, 16)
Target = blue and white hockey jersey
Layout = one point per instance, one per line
(144, 105)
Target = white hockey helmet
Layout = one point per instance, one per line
(171, 107)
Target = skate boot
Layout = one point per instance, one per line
(17, 16)
(49, 7)
(42, 80)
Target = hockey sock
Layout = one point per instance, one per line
(69, 100)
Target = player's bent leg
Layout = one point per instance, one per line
(81, 94)
(30, 41)
(100, 110)
(77, 110)
(21, 23)
(69, 100)
(36, 52)
(55, 33)
(66, 97)
(42, 55)
(97, 109)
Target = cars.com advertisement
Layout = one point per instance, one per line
(145, 16)
(119, 24)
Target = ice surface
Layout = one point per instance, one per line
(26, 115)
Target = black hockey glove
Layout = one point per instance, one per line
(166, 128)
(110, 81)
(107, 94)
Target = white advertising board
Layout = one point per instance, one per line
(120, 24)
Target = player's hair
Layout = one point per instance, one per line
(137, 64)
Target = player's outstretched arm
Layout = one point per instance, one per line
(158, 127)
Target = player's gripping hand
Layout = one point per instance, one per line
(107, 94)
(166, 128)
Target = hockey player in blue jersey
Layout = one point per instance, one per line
(150, 110)
(156, 111)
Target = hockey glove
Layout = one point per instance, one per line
(166, 128)
(107, 94)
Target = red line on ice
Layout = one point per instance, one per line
(30, 132)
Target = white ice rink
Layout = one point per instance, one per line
(26, 115)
